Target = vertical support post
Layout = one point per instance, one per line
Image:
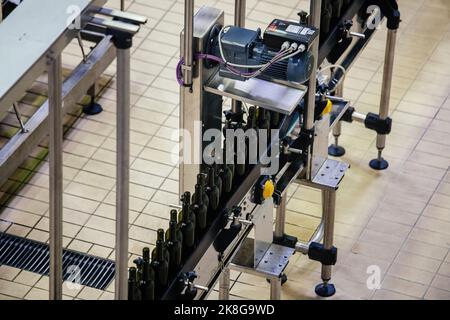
(239, 21)
(123, 43)
(326, 289)
(380, 163)
(314, 16)
(122, 5)
(56, 174)
(224, 284)
(280, 219)
(275, 289)
(335, 149)
(188, 50)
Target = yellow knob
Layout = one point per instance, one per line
(328, 108)
(268, 190)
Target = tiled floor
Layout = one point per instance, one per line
(397, 220)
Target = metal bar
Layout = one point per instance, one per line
(317, 236)
(280, 218)
(224, 284)
(337, 129)
(239, 21)
(359, 117)
(122, 5)
(315, 15)
(188, 50)
(19, 118)
(328, 205)
(275, 289)
(387, 85)
(123, 172)
(55, 173)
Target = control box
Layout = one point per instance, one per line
(280, 31)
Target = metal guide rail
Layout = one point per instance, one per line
(33, 46)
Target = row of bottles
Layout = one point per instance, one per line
(155, 271)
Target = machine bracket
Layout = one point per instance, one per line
(331, 173)
(286, 241)
(317, 252)
(380, 126)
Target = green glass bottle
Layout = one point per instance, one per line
(148, 277)
(174, 245)
(213, 190)
(200, 210)
(160, 267)
(133, 290)
(187, 227)
(201, 180)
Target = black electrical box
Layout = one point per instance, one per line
(280, 31)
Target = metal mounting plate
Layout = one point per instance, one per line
(268, 95)
(331, 173)
(275, 260)
(339, 108)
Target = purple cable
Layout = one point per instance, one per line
(202, 56)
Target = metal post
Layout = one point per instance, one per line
(188, 50)
(275, 289)
(224, 284)
(327, 289)
(122, 5)
(239, 21)
(280, 218)
(19, 118)
(123, 171)
(56, 174)
(314, 16)
(335, 149)
(379, 163)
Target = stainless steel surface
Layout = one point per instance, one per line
(268, 95)
(188, 46)
(331, 173)
(328, 207)
(55, 174)
(224, 284)
(387, 84)
(262, 219)
(75, 87)
(314, 20)
(191, 103)
(320, 147)
(280, 218)
(116, 25)
(126, 16)
(275, 260)
(359, 117)
(29, 37)
(122, 173)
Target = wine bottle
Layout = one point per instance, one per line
(174, 245)
(187, 227)
(213, 190)
(147, 285)
(200, 210)
(218, 179)
(133, 290)
(201, 180)
(160, 266)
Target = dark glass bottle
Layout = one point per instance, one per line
(263, 119)
(200, 210)
(174, 245)
(201, 180)
(148, 277)
(218, 179)
(133, 290)
(274, 119)
(187, 227)
(160, 267)
(213, 190)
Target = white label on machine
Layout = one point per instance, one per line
(293, 29)
(305, 31)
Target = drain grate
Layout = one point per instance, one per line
(33, 256)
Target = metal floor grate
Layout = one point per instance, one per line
(33, 256)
